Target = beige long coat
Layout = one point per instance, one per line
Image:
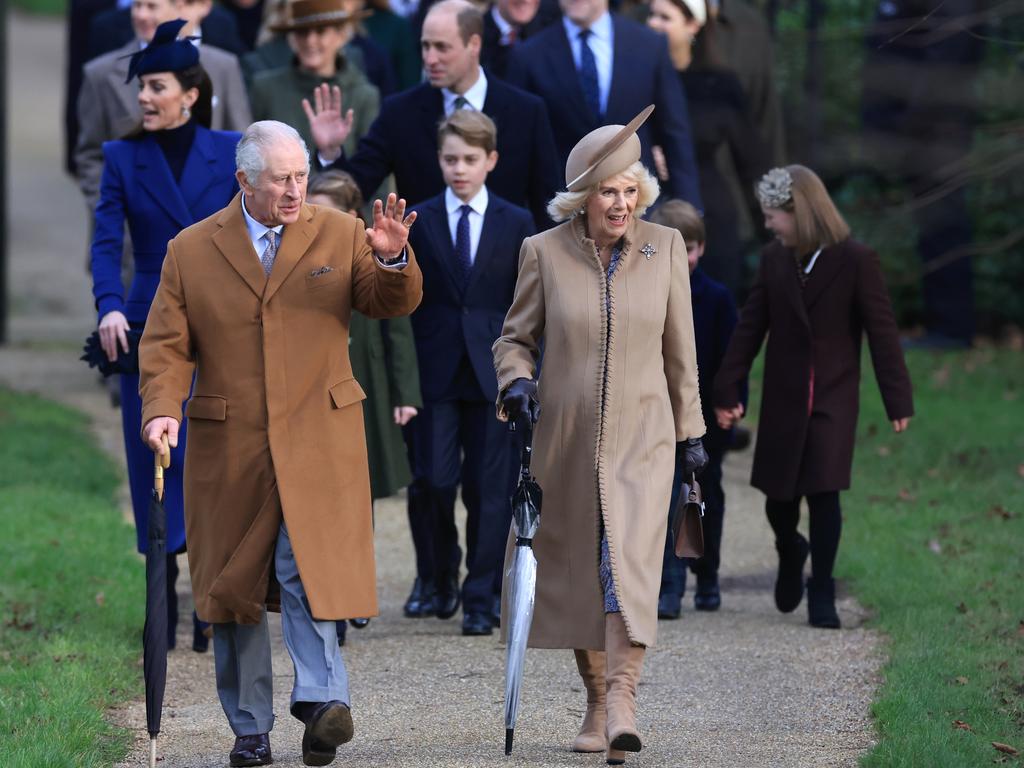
(275, 420)
(611, 414)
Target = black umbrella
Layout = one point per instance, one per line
(154, 635)
(522, 581)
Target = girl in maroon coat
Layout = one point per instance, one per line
(817, 292)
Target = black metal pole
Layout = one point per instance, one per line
(4, 112)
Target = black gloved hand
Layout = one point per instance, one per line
(696, 457)
(520, 399)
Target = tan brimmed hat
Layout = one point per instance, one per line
(603, 153)
(309, 14)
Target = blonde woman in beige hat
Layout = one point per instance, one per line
(607, 297)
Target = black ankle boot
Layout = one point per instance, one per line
(201, 633)
(821, 603)
(789, 583)
(708, 597)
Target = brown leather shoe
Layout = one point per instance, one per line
(328, 727)
(591, 738)
(251, 750)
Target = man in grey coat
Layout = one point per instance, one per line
(108, 107)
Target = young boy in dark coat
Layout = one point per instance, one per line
(714, 317)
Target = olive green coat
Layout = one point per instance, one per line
(384, 362)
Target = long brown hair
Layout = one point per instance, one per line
(706, 50)
(818, 222)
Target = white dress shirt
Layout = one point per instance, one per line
(601, 42)
(503, 26)
(476, 95)
(478, 204)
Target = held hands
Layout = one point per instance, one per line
(154, 431)
(403, 414)
(901, 425)
(520, 399)
(695, 458)
(727, 418)
(390, 231)
(329, 126)
(113, 329)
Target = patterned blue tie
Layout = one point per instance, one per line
(588, 76)
(463, 246)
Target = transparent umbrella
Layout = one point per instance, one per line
(521, 582)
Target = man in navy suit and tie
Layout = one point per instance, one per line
(467, 245)
(596, 68)
(402, 140)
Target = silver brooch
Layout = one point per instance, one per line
(648, 250)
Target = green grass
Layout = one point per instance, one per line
(71, 594)
(933, 546)
(41, 7)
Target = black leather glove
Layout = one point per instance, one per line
(520, 399)
(696, 457)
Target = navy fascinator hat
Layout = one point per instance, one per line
(165, 52)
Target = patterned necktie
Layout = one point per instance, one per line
(270, 252)
(588, 76)
(462, 244)
(461, 102)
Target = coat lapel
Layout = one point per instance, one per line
(155, 176)
(232, 240)
(493, 217)
(199, 173)
(562, 67)
(791, 284)
(443, 246)
(295, 241)
(829, 264)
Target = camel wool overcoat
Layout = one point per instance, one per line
(275, 417)
(618, 389)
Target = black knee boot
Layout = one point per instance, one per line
(821, 603)
(826, 528)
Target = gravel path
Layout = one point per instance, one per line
(742, 687)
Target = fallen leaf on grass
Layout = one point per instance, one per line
(935, 547)
(100, 599)
(884, 450)
(1020, 629)
(1000, 511)
(941, 376)
(933, 472)
(960, 725)
(961, 680)
(906, 495)
(962, 608)
(1006, 749)
(1020, 470)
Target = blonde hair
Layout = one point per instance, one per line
(340, 187)
(566, 205)
(818, 222)
(680, 215)
(473, 127)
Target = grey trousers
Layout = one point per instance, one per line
(245, 680)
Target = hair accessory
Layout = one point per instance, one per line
(165, 52)
(775, 188)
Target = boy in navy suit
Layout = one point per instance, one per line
(714, 317)
(467, 244)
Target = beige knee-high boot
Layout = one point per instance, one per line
(591, 665)
(624, 662)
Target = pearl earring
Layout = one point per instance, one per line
(186, 112)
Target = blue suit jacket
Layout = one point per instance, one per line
(450, 323)
(642, 74)
(137, 186)
(714, 318)
(403, 140)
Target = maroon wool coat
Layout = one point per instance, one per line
(810, 400)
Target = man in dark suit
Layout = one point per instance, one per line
(467, 245)
(596, 68)
(510, 22)
(112, 28)
(403, 141)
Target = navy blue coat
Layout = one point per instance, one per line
(642, 74)
(714, 318)
(450, 323)
(138, 187)
(403, 141)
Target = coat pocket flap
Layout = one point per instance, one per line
(211, 407)
(347, 392)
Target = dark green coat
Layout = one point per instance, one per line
(384, 363)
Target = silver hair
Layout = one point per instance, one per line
(250, 154)
(566, 205)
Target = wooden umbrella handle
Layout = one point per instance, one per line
(161, 461)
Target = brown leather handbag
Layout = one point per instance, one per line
(687, 527)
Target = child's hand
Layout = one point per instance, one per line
(729, 417)
(900, 425)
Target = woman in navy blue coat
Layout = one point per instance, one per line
(169, 173)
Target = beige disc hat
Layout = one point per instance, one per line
(603, 153)
(309, 14)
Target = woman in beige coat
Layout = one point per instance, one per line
(607, 298)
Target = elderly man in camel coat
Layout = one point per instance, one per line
(255, 302)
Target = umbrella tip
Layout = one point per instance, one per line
(508, 740)
(152, 752)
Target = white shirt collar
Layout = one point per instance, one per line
(478, 202)
(503, 26)
(601, 28)
(257, 230)
(476, 95)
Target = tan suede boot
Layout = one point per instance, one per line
(591, 665)
(615, 756)
(623, 675)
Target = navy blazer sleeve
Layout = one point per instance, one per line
(672, 131)
(373, 160)
(108, 238)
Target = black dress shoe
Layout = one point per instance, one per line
(342, 629)
(789, 583)
(669, 605)
(496, 611)
(708, 597)
(421, 600)
(201, 633)
(251, 750)
(476, 624)
(359, 623)
(328, 726)
(821, 604)
(447, 600)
